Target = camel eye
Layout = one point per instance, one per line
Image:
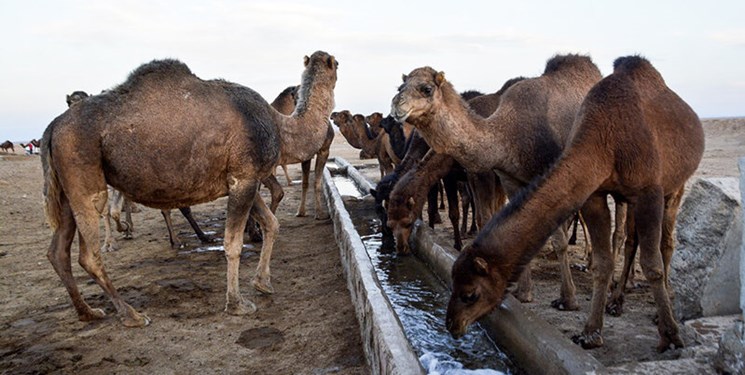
(426, 90)
(469, 298)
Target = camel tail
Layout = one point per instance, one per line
(52, 188)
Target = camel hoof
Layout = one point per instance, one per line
(589, 340)
(240, 308)
(563, 305)
(91, 315)
(136, 320)
(263, 287)
(615, 307)
(524, 297)
(671, 342)
(109, 248)
(300, 214)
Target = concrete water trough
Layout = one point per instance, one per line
(533, 345)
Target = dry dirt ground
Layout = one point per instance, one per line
(306, 327)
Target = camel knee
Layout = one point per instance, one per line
(100, 201)
(652, 274)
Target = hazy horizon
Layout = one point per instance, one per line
(56, 47)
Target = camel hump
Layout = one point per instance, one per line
(637, 66)
(560, 63)
(157, 70)
(510, 82)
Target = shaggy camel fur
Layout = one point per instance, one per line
(633, 138)
(519, 141)
(224, 137)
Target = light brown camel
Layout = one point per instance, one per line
(7, 145)
(633, 138)
(223, 139)
(284, 103)
(519, 140)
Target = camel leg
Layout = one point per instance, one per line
(306, 176)
(451, 191)
(186, 211)
(432, 213)
(619, 233)
(59, 255)
(649, 212)
(109, 242)
(90, 256)
(275, 189)
(118, 205)
(465, 202)
(321, 158)
(270, 228)
(597, 216)
(588, 243)
(615, 304)
(567, 299)
(524, 290)
(472, 201)
(175, 242)
(287, 174)
(241, 197)
(441, 195)
(667, 246)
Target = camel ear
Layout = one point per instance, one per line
(306, 60)
(332, 63)
(439, 78)
(403, 77)
(410, 203)
(482, 268)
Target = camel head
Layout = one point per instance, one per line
(373, 120)
(341, 119)
(419, 95)
(478, 288)
(401, 217)
(76, 96)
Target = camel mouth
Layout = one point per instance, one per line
(398, 116)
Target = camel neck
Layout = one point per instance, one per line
(461, 133)
(516, 234)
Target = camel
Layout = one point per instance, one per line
(519, 140)
(633, 138)
(285, 104)
(7, 145)
(373, 120)
(343, 120)
(369, 143)
(224, 139)
(119, 203)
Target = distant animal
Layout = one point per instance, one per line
(222, 139)
(7, 145)
(633, 138)
(285, 103)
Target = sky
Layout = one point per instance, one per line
(51, 48)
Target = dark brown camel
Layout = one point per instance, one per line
(7, 145)
(633, 138)
(224, 139)
(343, 120)
(519, 140)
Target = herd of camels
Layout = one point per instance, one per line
(528, 159)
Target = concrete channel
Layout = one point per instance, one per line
(533, 344)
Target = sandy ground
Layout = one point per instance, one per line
(306, 327)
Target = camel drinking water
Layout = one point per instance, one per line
(223, 139)
(633, 138)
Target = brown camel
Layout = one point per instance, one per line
(407, 198)
(343, 120)
(373, 120)
(633, 138)
(285, 103)
(357, 129)
(519, 140)
(119, 203)
(7, 145)
(224, 139)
